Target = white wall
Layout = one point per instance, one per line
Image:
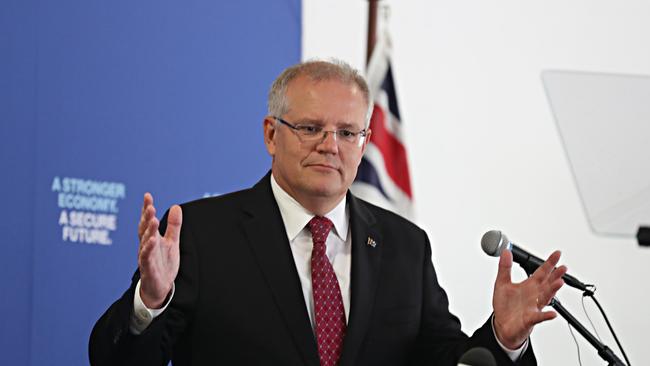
(485, 152)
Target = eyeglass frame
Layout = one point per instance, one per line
(360, 135)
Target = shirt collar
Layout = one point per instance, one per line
(296, 217)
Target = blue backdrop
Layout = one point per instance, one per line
(101, 101)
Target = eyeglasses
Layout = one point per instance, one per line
(314, 133)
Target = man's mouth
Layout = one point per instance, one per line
(323, 166)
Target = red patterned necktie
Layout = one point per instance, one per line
(328, 304)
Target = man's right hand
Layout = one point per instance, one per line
(158, 256)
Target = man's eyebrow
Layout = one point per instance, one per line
(346, 125)
(310, 121)
(317, 122)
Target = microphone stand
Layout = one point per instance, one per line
(603, 351)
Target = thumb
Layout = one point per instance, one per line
(174, 222)
(505, 266)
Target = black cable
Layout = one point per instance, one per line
(591, 294)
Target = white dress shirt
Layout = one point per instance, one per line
(338, 243)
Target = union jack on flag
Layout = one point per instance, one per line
(383, 175)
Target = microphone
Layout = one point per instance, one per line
(477, 356)
(494, 242)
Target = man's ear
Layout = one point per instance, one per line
(269, 134)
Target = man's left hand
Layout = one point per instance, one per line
(518, 306)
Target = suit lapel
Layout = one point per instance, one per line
(366, 259)
(268, 241)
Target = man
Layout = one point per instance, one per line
(296, 270)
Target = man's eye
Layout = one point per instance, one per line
(346, 133)
(309, 129)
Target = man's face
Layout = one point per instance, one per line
(322, 170)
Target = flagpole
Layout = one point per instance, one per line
(372, 27)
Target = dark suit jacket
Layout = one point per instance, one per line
(239, 301)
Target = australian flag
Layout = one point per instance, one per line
(383, 176)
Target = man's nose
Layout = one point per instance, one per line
(329, 142)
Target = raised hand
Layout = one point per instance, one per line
(158, 256)
(518, 306)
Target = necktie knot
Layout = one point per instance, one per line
(320, 228)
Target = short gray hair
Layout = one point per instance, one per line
(316, 70)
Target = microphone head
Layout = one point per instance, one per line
(477, 356)
(494, 242)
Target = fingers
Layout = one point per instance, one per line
(549, 278)
(157, 263)
(542, 273)
(150, 236)
(147, 246)
(148, 200)
(541, 316)
(145, 219)
(147, 228)
(174, 222)
(548, 293)
(505, 266)
(557, 273)
(148, 211)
